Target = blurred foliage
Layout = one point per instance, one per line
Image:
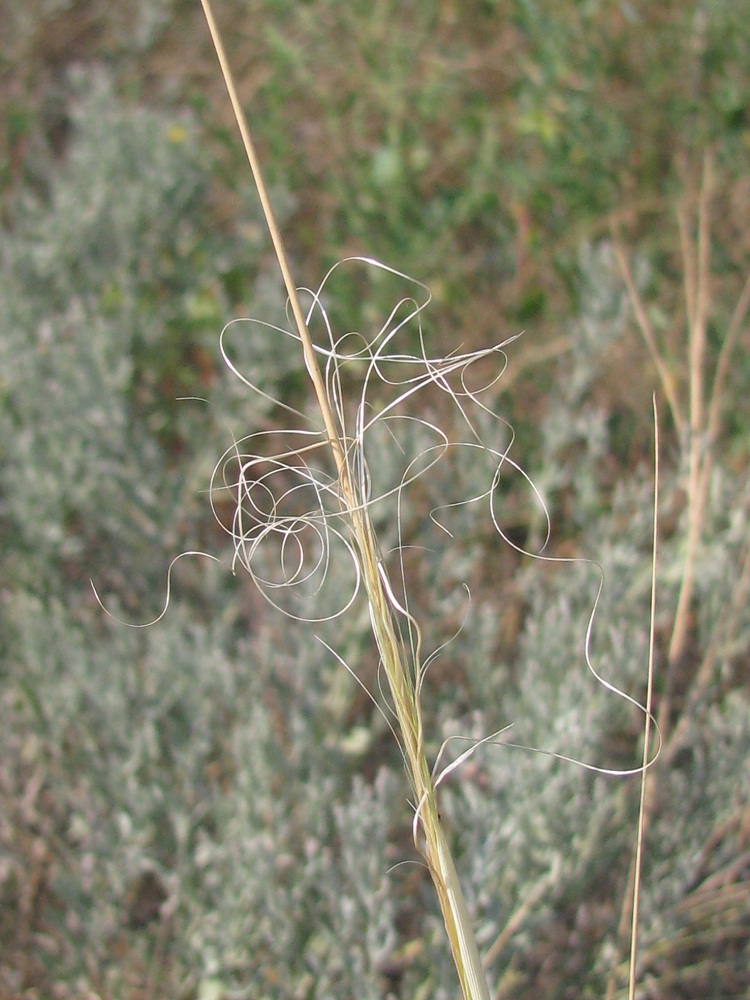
(210, 808)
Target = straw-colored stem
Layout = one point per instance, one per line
(644, 797)
(402, 682)
(435, 848)
(278, 245)
(629, 912)
(697, 296)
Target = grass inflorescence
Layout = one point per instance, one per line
(340, 508)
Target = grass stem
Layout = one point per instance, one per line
(403, 682)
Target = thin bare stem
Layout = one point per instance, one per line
(645, 774)
(278, 245)
(697, 293)
(631, 902)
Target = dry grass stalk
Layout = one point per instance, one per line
(403, 682)
(645, 773)
(698, 432)
(401, 660)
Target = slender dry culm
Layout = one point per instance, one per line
(349, 498)
(402, 681)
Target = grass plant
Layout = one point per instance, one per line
(404, 678)
(395, 630)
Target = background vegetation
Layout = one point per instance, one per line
(210, 808)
